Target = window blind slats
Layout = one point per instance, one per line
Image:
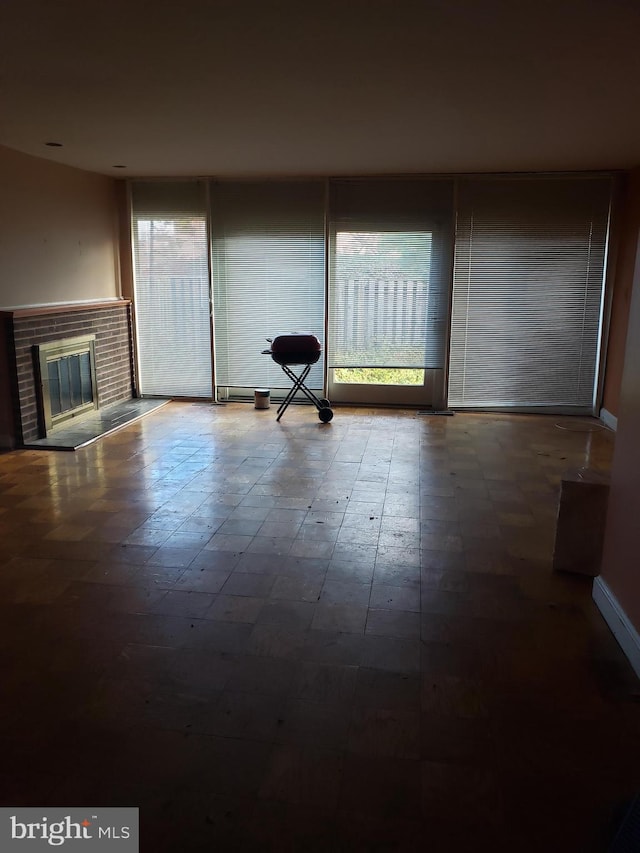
(171, 280)
(388, 287)
(268, 276)
(528, 283)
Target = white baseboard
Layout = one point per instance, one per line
(608, 419)
(618, 621)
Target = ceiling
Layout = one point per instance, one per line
(288, 87)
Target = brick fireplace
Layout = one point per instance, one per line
(108, 324)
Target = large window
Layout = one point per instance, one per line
(268, 265)
(389, 287)
(528, 291)
(498, 281)
(171, 278)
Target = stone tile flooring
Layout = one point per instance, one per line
(309, 637)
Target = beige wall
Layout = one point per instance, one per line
(58, 233)
(124, 239)
(621, 563)
(627, 229)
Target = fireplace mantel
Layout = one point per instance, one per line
(67, 308)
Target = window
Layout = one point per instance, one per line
(268, 278)
(528, 271)
(528, 286)
(388, 288)
(171, 279)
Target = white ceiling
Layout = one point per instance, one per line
(288, 87)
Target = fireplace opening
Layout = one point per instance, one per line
(67, 379)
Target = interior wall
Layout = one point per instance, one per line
(620, 568)
(58, 233)
(124, 239)
(627, 237)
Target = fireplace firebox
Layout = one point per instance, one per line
(67, 379)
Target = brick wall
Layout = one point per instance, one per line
(109, 322)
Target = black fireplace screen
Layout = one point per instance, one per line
(70, 383)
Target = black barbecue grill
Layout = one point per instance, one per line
(298, 350)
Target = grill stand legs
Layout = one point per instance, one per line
(324, 411)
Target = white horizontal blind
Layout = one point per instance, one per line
(171, 289)
(528, 285)
(389, 285)
(268, 276)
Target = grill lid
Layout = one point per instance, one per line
(296, 343)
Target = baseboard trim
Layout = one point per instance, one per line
(620, 624)
(608, 419)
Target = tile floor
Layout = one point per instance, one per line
(308, 637)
